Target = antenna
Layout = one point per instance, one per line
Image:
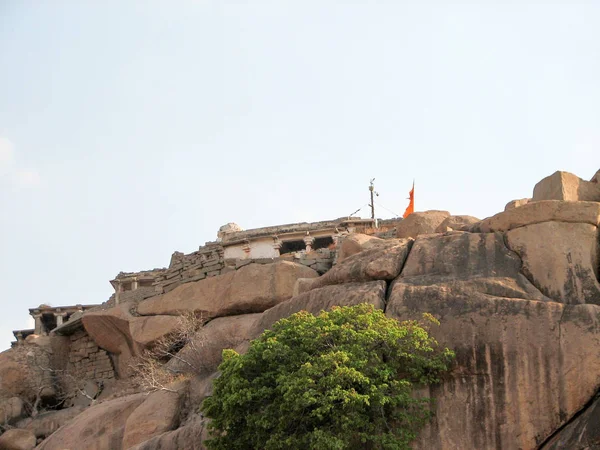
(372, 205)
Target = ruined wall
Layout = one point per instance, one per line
(206, 262)
(86, 360)
(137, 295)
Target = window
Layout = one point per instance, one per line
(292, 246)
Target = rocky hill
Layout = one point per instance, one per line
(517, 295)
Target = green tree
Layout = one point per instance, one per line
(341, 380)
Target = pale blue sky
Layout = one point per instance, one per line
(129, 129)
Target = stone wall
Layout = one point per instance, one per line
(86, 360)
(137, 295)
(206, 262)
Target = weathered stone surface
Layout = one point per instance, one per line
(189, 437)
(420, 223)
(466, 262)
(356, 243)
(582, 433)
(383, 262)
(156, 415)
(46, 423)
(204, 352)
(542, 211)
(100, 427)
(455, 223)
(16, 439)
(323, 299)
(596, 177)
(11, 409)
(566, 186)
(561, 259)
(118, 331)
(253, 288)
(523, 367)
(516, 203)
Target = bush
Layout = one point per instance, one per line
(342, 380)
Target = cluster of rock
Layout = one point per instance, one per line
(517, 295)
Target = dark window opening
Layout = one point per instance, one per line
(145, 283)
(126, 286)
(48, 322)
(322, 242)
(292, 246)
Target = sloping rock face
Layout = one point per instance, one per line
(156, 415)
(420, 223)
(356, 243)
(566, 186)
(47, 423)
(253, 288)
(189, 437)
(99, 427)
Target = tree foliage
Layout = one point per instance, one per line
(341, 380)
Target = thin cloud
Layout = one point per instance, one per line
(10, 172)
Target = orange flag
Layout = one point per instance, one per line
(411, 206)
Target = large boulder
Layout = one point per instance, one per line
(156, 415)
(119, 332)
(465, 262)
(420, 223)
(188, 437)
(456, 223)
(566, 186)
(355, 243)
(523, 367)
(382, 262)
(323, 299)
(538, 212)
(252, 288)
(562, 259)
(16, 439)
(516, 203)
(100, 427)
(203, 353)
(46, 423)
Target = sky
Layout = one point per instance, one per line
(132, 129)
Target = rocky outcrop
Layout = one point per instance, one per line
(538, 212)
(356, 243)
(16, 439)
(523, 367)
(383, 262)
(516, 203)
(566, 186)
(253, 288)
(46, 423)
(203, 354)
(456, 223)
(561, 259)
(101, 426)
(420, 223)
(157, 414)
